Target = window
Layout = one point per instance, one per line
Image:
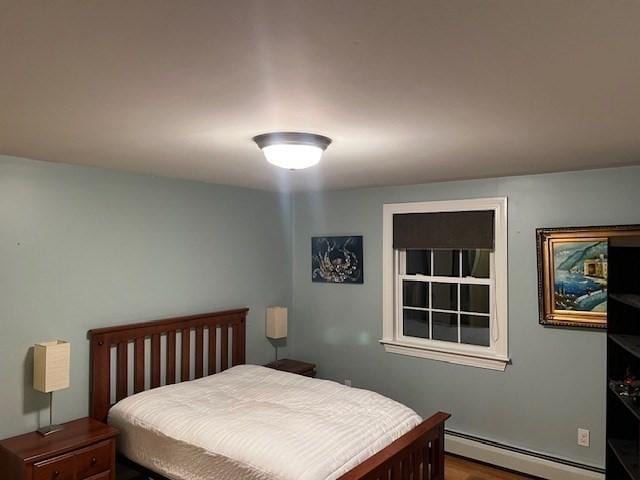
(445, 281)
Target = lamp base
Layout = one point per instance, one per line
(48, 430)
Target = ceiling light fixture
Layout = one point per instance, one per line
(292, 150)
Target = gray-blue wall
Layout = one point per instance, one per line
(557, 381)
(82, 247)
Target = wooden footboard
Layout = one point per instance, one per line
(417, 455)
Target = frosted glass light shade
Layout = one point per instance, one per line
(293, 157)
(276, 325)
(51, 365)
(292, 150)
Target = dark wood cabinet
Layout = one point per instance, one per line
(84, 449)
(293, 366)
(623, 359)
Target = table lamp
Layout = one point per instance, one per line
(276, 326)
(51, 363)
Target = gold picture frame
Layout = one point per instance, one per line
(572, 274)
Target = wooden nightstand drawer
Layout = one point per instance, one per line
(94, 460)
(59, 468)
(83, 450)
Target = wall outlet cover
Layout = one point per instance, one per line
(583, 437)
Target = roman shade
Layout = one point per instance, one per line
(459, 230)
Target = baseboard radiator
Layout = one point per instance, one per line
(518, 459)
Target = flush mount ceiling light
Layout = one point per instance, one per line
(292, 150)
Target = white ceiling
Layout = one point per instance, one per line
(410, 91)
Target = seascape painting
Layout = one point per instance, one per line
(580, 276)
(337, 259)
(573, 274)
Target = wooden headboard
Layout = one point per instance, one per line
(201, 333)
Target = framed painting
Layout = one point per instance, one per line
(572, 274)
(337, 259)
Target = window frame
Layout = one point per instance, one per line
(493, 357)
(400, 276)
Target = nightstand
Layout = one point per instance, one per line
(84, 449)
(293, 366)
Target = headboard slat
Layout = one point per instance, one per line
(224, 348)
(155, 360)
(138, 365)
(213, 331)
(122, 371)
(186, 355)
(242, 343)
(199, 353)
(171, 357)
(103, 339)
(234, 349)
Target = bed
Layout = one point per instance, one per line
(188, 408)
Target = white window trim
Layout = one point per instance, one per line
(494, 357)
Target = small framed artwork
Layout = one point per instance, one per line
(337, 259)
(572, 274)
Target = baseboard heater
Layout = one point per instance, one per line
(519, 459)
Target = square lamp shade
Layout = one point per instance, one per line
(51, 364)
(276, 322)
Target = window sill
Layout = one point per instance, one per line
(491, 362)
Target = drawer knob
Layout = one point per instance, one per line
(93, 460)
(56, 473)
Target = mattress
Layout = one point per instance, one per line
(255, 423)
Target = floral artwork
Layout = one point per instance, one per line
(336, 259)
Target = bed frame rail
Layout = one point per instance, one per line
(417, 455)
(224, 331)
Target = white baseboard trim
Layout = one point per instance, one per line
(531, 464)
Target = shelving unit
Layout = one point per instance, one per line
(630, 299)
(623, 355)
(631, 343)
(633, 408)
(626, 452)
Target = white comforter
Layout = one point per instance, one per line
(252, 422)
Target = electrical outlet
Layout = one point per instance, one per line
(583, 437)
(347, 382)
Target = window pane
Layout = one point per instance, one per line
(474, 329)
(415, 323)
(445, 296)
(416, 294)
(418, 262)
(445, 326)
(475, 263)
(446, 263)
(474, 298)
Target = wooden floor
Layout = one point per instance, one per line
(459, 469)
